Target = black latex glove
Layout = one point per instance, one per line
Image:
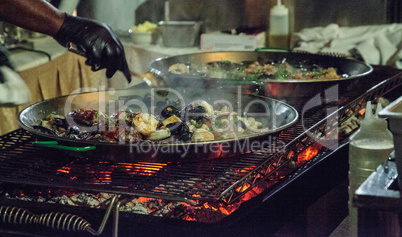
(97, 42)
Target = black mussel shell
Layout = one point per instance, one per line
(60, 122)
(241, 124)
(178, 128)
(185, 137)
(199, 109)
(193, 112)
(170, 111)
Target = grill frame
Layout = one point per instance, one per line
(200, 180)
(297, 144)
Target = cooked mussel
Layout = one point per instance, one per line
(197, 111)
(60, 122)
(170, 111)
(178, 128)
(79, 130)
(180, 131)
(185, 137)
(241, 124)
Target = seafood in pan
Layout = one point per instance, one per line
(256, 70)
(196, 122)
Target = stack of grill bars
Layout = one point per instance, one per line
(220, 180)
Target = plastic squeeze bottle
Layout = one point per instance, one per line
(279, 26)
(369, 147)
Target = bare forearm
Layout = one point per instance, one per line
(34, 15)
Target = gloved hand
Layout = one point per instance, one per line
(97, 41)
(13, 90)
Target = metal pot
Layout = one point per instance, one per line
(274, 115)
(179, 34)
(274, 88)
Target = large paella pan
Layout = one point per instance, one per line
(274, 74)
(136, 124)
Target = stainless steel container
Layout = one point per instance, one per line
(394, 114)
(180, 34)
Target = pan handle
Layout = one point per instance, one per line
(55, 144)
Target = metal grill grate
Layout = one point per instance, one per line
(225, 179)
(23, 163)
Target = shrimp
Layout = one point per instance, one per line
(179, 68)
(331, 74)
(145, 123)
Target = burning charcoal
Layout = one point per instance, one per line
(65, 200)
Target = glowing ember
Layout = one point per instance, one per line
(102, 172)
(308, 154)
(143, 199)
(243, 188)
